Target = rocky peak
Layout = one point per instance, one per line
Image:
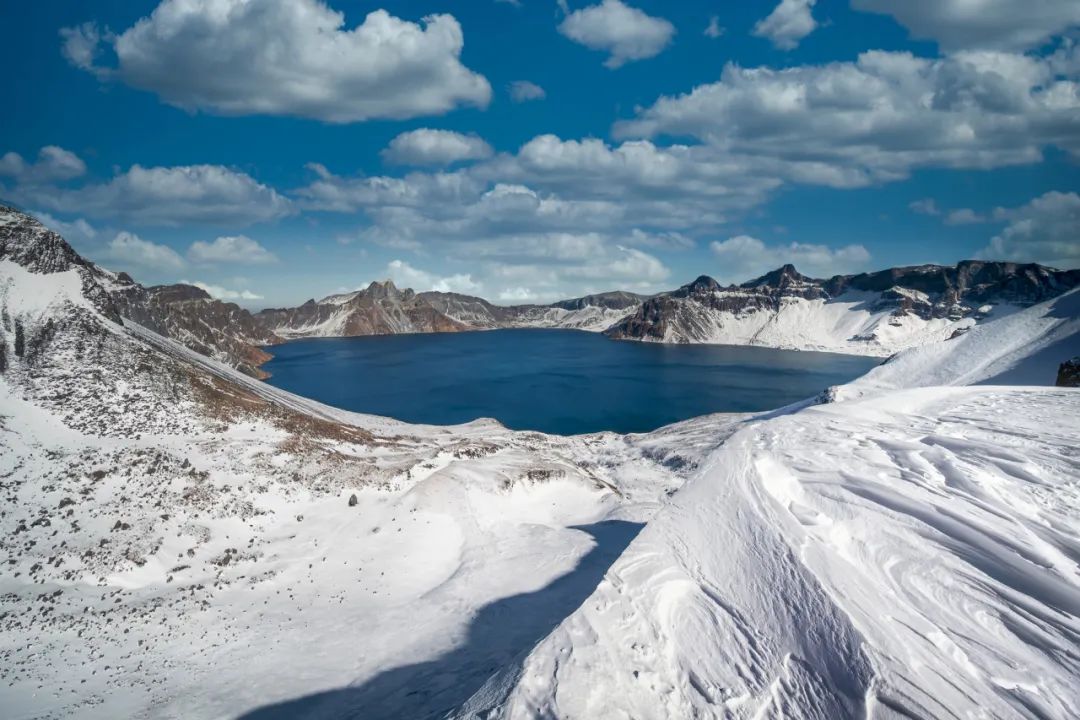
(780, 279)
(385, 290)
(703, 284)
(27, 242)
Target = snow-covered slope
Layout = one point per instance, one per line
(910, 555)
(872, 314)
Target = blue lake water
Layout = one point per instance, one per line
(556, 381)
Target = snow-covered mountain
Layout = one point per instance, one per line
(379, 309)
(595, 312)
(182, 540)
(383, 309)
(871, 314)
(185, 313)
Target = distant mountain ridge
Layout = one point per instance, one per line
(875, 313)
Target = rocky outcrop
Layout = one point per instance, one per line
(379, 309)
(29, 244)
(1069, 373)
(870, 313)
(185, 313)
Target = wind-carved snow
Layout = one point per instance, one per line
(914, 552)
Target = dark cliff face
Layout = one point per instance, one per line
(928, 291)
(187, 314)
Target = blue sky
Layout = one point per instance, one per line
(276, 151)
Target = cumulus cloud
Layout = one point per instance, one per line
(848, 124)
(625, 32)
(788, 23)
(230, 249)
(523, 91)
(435, 147)
(222, 293)
(128, 249)
(405, 275)
(167, 196)
(286, 57)
(982, 24)
(53, 164)
(743, 257)
(1043, 231)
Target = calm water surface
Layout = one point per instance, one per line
(557, 381)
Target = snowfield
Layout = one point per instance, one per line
(910, 555)
(180, 540)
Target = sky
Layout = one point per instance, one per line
(273, 151)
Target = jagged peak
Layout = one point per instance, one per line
(702, 282)
(783, 276)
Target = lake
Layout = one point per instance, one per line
(556, 381)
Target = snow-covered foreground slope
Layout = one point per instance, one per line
(910, 555)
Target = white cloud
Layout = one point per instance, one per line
(406, 276)
(984, 24)
(435, 147)
(714, 29)
(926, 206)
(168, 196)
(221, 293)
(53, 164)
(964, 216)
(287, 57)
(848, 124)
(1043, 231)
(517, 295)
(82, 47)
(523, 91)
(625, 32)
(788, 23)
(230, 249)
(743, 257)
(129, 249)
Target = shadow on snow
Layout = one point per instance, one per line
(499, 638)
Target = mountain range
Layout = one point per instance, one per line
(873, 314)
